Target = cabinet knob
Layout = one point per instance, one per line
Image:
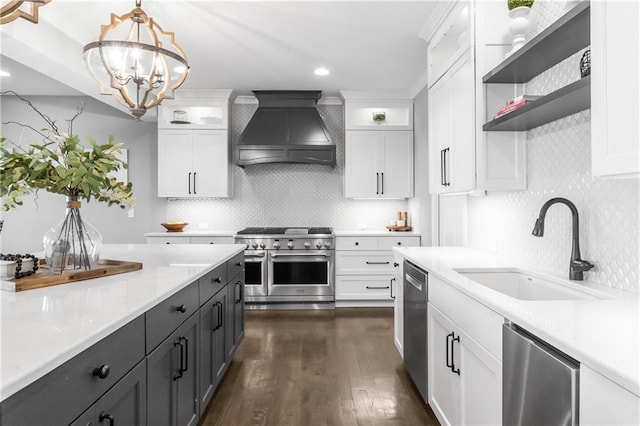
(217, 280)
(104, 416)
(181, 308)
(399, 243)
(102, 371)
(357, 243)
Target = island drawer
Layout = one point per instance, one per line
(164, 318)
(63, 394)
(212, 283)
(363, 287)
(235, 265)
(364, 263)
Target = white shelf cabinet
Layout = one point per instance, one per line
(615, 89)
(364, 269)
(193, 163)
(378, 164)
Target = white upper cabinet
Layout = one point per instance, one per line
(615, 88)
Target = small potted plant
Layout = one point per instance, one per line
(520, 24)
(61, 164)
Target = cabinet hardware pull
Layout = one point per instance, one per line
(391, 287)
(194, 183)
(377, 183)
(357, 243)
(239, 286)
(181, 308)
(217, 280)
(186, 355)
(453, 366)
(382, 185)
(220, 315)
(189, 182)
(105, 416)
(382, 287)
(178, 375)
(448, 345)
(442, 166)
(102, 371)
(377, 263)
(447, 182)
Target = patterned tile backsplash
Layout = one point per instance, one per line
(559, 165)
(287, 194)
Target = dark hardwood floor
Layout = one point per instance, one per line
(313, 368)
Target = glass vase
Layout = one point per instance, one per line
(73, 244)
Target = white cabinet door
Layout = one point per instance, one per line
(398, 304)
(396, 180)
(439, 133)
(361, 175)
(210, 163)
(615, 88)
(175, 162)
(603, 402)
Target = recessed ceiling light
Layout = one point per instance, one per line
(3, 73)
(321, 71)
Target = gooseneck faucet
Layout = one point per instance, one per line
(577, 266)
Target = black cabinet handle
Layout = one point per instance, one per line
(216, 280)
(220, 315)
(377, 263)
(194, 183)
(449, 364)
(399, 243)
(179, 373)
(181, 308)
(102, 371)
(186, 354)
(377, 183)
(382, 185)
(446, 178)
(391, 287)
(442, 166)
(453, 367)
(239, 287)
(105, 416)
(381, 287)
(357, 243)
(218, 307)
(189, 182)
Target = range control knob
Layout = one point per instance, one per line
(263, 245)
(307, 244)
(254, 245)
(327, 244)
(276, 245)
(291, 245)
(319, 244)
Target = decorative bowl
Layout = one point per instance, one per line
(174, 226)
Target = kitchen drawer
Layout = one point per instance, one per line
(62, 395)
(376, 287)
(165, 317)
(357, 243)
(211, 240)
(212, 283)
(480, 322)
(235, 265)
(387, 243)
(364, 263)
(168, 240)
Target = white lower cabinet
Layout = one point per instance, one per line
(603, 402)
(397, 291)
(188, 240)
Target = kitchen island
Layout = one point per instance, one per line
(43, 329)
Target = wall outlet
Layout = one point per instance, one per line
(131, 213)
(203, 225)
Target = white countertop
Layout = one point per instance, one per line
(374, 233)
(192, 233)
(43, 328)
(602, 334)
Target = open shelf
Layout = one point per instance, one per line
(572, 98)
(561, 39)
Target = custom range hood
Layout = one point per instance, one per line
(286, 128)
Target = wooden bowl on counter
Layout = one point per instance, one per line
(174, 226)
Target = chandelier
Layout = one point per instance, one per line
(136, 61)
(12, 10)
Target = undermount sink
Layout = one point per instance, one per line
(525, 285)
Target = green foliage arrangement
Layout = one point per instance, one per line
(512, 4)
(61, 165)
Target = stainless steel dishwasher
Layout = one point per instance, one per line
(539, 383)
(415, 286)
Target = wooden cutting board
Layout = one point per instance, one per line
(44, 279)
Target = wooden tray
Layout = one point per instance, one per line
(43, 279)
(395, 228)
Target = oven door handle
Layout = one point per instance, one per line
(248, 257)
(324, 254)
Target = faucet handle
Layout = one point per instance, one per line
(580, 265)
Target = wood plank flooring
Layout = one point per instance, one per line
(308, 368)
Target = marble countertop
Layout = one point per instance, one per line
(43, 328)
(373, 233)
(603, 334)
(193, 233)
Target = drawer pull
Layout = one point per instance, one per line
(178, 342)
(104, 416)
(391, 288)
(220, 315)
(238, 285)
(382, 287)
(186, 355)
(377, 263)
(239, 264)
(102, 371)
(357, 243)
(181, 308)
(216, 280)
(399, 243)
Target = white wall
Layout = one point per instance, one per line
(420, 205)
(25, 225)
(559, 165)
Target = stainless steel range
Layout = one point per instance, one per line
(288, 265)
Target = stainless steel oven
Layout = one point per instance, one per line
(288, 265)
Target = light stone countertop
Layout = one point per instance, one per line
(41, 329)
(374, 233)
(193, 233)
(602, 334)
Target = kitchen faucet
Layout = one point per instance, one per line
(577, 266)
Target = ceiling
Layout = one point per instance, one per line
(239, 45)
